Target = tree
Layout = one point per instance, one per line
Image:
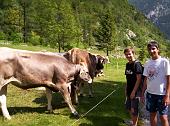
(167, 49)
(43, 23)
(142, 53)
(103, 34)
(24, 5)
(68, 30)
(11, 22)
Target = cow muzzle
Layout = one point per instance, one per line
(84, 76)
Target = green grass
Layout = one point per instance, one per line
(28, 107)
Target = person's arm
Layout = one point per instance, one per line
(125, 94)
(167, 95)
(143, 89)
(125, 89)
(138, 82)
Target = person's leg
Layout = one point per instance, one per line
(163, 111)
(151, 107)
(164, 120)
(153, 118)
(128, 107)
(134, 111)
(134, 119)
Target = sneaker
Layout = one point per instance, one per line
(146, 122)
(128, 122)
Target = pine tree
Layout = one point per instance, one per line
(103, 35)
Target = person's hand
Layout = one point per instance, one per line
(142, 99)
(132, 96)
(166, 100)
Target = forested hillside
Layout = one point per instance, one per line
(157, 11)
(63, 24)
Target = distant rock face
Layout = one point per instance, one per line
(158, 11)
(130, 34)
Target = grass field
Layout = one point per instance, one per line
(28, 107)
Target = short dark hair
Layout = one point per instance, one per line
(153, 43)
(128, 50)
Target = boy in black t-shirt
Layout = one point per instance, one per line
(133, 74)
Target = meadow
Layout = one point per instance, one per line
(28, 107)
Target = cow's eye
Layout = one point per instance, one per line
(82, 73)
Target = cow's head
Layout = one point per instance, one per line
(84, 74)
(101, 60)
(106, 60)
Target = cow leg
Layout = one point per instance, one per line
(81, 89)
(3, 93)
(64, 91)
(90, 90)
(6, 81)
(74, 95)
(49, 100)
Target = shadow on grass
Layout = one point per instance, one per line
(56, 104)
(15, 110)
(107, 121)
(57, 101)
(108, 112)
(40, 110)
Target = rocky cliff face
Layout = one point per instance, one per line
(158, 11)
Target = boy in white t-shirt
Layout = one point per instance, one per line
(157, 85)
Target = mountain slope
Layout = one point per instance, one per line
(76, 23)
(158, 11)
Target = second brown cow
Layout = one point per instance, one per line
(94, 64)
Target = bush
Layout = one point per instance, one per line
(2, 35)
(16, 37)
(34, 39)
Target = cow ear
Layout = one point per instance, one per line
(101, 61)
(106, 60)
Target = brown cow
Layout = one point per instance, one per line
(94, 63)
(27, 69)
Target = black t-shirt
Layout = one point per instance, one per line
(131, 70)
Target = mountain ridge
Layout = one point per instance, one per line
(157, 11)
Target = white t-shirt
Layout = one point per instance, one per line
(156, 72)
